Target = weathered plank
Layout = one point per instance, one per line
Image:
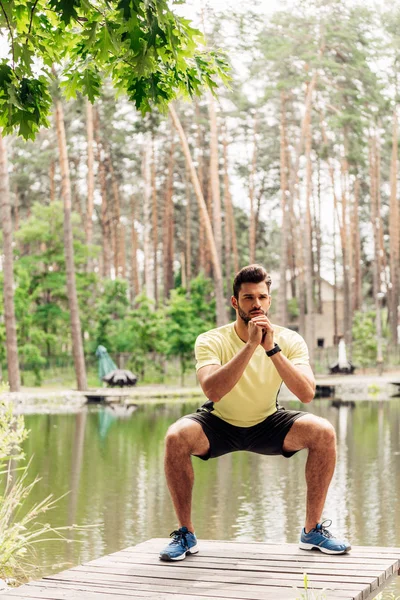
(221, 571)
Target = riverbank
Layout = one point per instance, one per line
(368, 386)
(33, 400)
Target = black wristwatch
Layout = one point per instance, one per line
(274, 350)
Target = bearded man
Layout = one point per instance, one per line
(241, 367)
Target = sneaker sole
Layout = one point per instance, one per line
(168, 558)
(304, 546)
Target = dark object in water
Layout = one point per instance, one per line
(120, 378)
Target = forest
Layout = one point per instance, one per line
(129, 198)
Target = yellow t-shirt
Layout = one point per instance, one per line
(254, 397)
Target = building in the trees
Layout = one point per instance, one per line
(324, 320)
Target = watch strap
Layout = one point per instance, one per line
(274, 350)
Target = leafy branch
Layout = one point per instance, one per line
(11, 35)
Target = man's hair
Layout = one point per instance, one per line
(251, 274)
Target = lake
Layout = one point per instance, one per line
(111, 467)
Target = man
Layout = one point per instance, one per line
(241, 367)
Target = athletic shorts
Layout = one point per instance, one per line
(266, 437)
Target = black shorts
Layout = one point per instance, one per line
(266, 437)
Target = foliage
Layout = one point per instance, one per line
(187, 317)
(364, 338)
(150, 53)
(12, 432)
(20, 529)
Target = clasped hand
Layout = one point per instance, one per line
(261, 332)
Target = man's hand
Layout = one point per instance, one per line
(255, 333)
(267, 333)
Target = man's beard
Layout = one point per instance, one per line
(246, 317)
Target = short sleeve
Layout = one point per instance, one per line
(298, 351)
(207, 352)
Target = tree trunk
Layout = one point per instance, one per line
(394, 225)
(188, 237)
(168, 225)
(8, 271)
(214, 178)
(16, 210)
(117, 229)
(308, 262)
(227, 223)
(90, 178)
(335, 311)
(104, 216)
(344, 239)
(52, 170)
(77, 345)
(318, 239)
(282, 314)
(135, 288)
(357, 283)
(155, 222)
(219, 288)
(146, 174)
(375, 217)
(200, 160)
(252, 228)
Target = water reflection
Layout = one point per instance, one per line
(112, 468)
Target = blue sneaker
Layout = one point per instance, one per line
(321, 539)
(183, 542)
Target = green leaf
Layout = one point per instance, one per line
(66, 8)
(126, 7)
(91, 83)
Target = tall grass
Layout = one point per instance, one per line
(21, 526)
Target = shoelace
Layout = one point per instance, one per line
(178, 536)
(323, 528)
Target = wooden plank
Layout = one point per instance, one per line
(89, 593)
(188, 572)
(390, 566)
(225, 591)
(316, 556)
(214, 584)
(221, 571)
(266, 548)
(220, 562)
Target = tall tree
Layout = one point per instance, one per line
(76, 332)
(154, 220)
(9, 310)
(252, 230)
(134, 272)
(168, 224)
(218, 281)
(90, 175)
(214, 178)
(394, 224)
(147, 192)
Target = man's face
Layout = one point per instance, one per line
(253, 301)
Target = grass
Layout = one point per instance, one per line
(310, 594)
(22, 526)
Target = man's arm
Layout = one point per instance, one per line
(216, 381)
(298, 378)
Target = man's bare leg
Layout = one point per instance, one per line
(184, 439)
(318, 435)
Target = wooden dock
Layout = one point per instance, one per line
(221, 570)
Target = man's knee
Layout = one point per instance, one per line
(186, 437)
(324, 433)
(178, 437)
